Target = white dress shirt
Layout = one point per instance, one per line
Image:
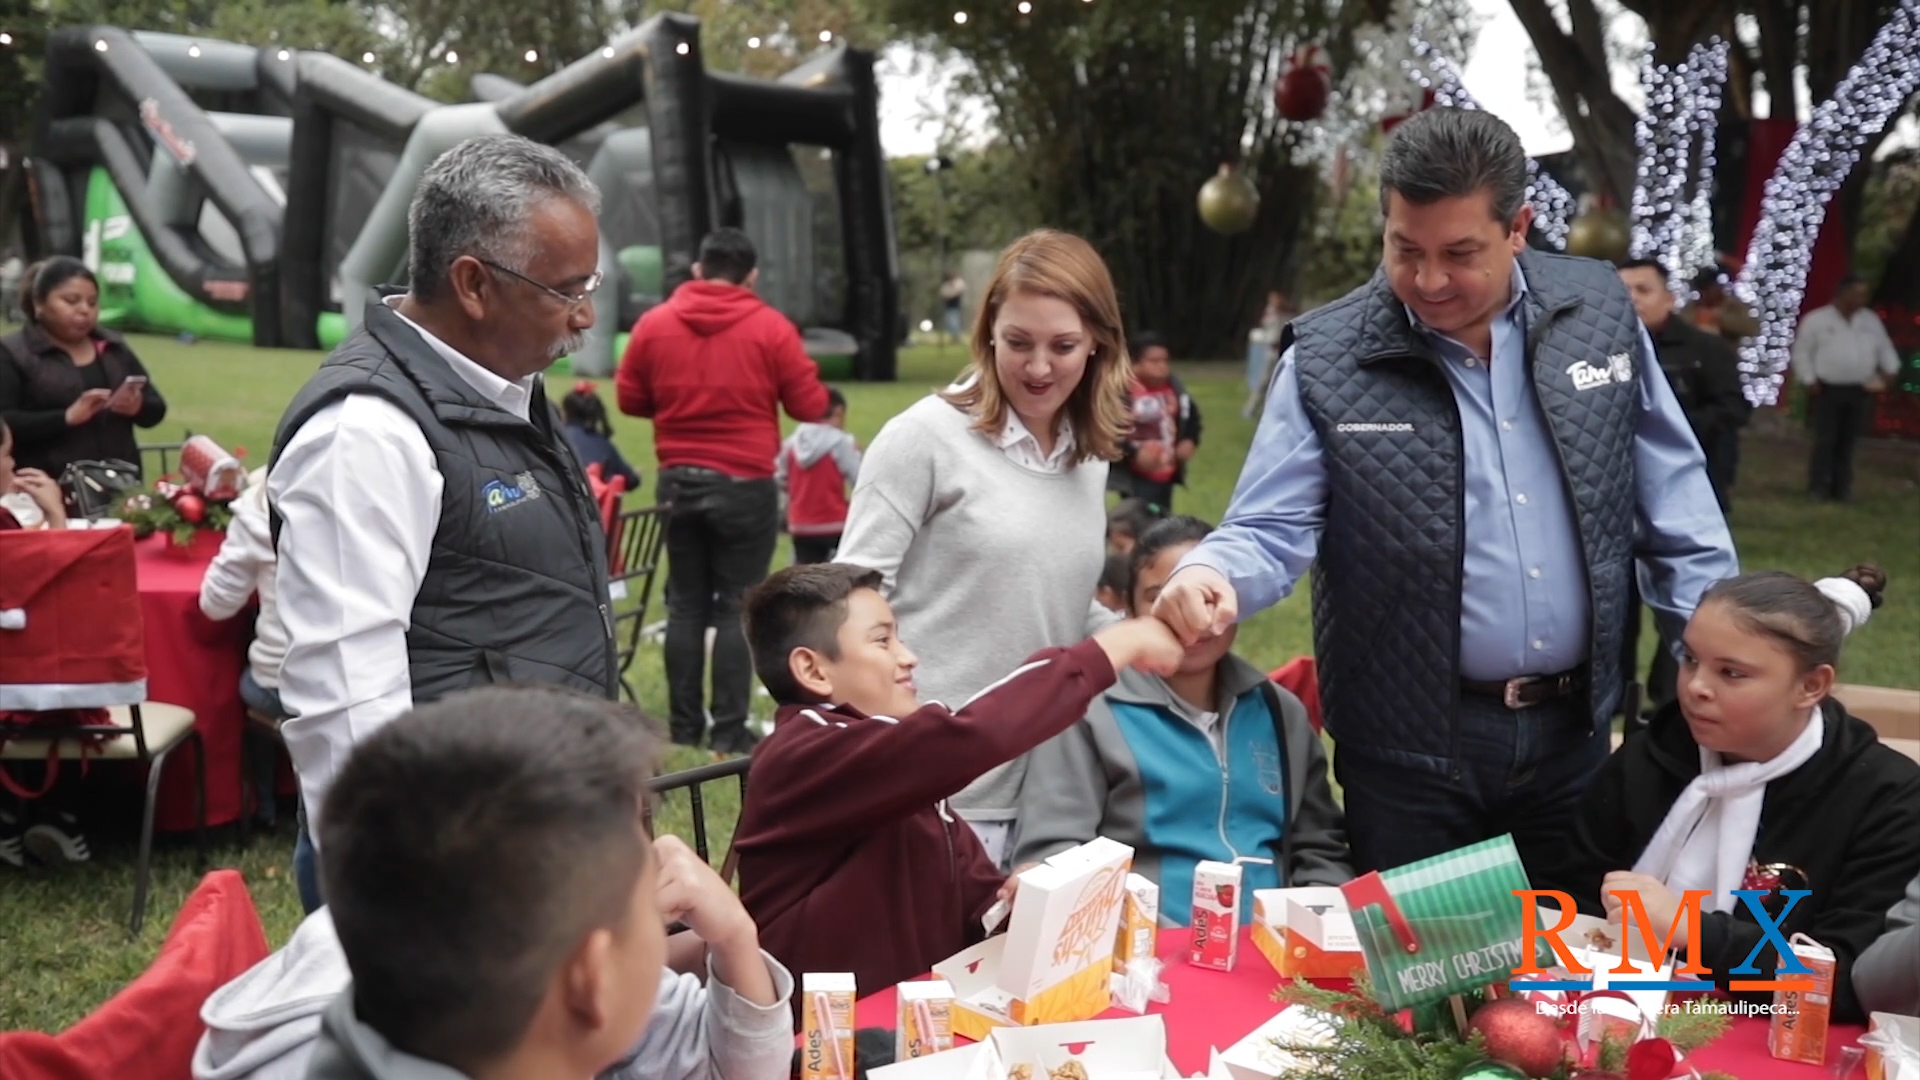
(358, 493)
(245, 568)
(1024, 447)
(1831, 348)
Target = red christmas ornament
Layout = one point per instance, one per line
(1520, 1036)
(191, 507)
(1305, 87)
(1651, 1059)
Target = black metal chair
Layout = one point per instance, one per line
(145, 733)
(633, 562)
(690, 781)
(163, 451)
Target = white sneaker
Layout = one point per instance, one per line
(58, 840)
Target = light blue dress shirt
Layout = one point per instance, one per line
(1525, 608)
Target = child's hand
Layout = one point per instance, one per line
(45, 491)
(1658, 901)
(1146, 644)
(691, 892)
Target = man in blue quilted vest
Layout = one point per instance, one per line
(1475, 450)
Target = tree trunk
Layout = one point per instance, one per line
(1576, 65)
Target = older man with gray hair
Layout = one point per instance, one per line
(1473, 449)
(433, 529)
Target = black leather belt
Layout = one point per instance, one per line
(1529, 690)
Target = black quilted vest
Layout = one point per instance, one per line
(516, 586)
(1386, 588)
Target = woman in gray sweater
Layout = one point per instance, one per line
(984, 506)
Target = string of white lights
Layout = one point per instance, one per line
(1553, 205)
(1794, 206)
(1696, 242)
(1682, 104)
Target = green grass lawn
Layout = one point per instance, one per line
(63, 940)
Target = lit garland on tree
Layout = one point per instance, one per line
(1683, 101)
(1815, 165)
(1553, 205)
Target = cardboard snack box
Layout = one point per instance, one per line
(1306, 932)
(1264, 1053)
(1130, 1049)
(1054, 962)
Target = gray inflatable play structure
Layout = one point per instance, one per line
(271, 185)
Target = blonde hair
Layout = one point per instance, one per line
(1047, 262)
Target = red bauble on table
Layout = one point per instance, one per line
(1520, 1036)
(1304, 89)
(191, 507)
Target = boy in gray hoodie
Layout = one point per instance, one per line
(497, 910)
(1213, 763)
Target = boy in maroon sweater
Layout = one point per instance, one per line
(849, 857)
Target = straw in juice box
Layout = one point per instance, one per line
(826, 1051)
(1800, 1018)
(925, 1023)
(1139, 935)
(1216, 915)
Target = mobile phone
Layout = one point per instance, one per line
(131, 384)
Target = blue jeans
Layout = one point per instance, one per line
(1520, 771)
(262, 758)
(306, 870)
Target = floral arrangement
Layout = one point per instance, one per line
(197, 499)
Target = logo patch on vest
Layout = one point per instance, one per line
(1391, 428)
(504, 495)
(1586, 376)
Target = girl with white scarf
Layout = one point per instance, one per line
(1755, 778)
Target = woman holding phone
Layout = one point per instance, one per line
(69, 390)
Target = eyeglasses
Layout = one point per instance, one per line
(586, 289)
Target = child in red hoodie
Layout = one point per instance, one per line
(817, 464)
(849, 858)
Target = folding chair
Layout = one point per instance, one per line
(145, 733)
(634, 544)
(51, 661)
(690, 781)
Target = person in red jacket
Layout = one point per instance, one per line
(818, 462)
(849, 857)
(712, 367)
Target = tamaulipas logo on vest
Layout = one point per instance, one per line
(501, 495)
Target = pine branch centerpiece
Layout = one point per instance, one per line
(1506, 1038)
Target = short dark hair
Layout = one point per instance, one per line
(1131, 516)
(1654, 265)
(469, 846)
(39, 280)
(1144, 340)
(1117, 573)
(1793, 611)
(800, 607)
(835, 399)
(1849, 280)
(1448, 153)
(1706, 279)
(727, 255)
(1168, 532)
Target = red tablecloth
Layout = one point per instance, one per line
(195, 663)
(1214, 1009)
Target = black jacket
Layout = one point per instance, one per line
(1849, 818)
(38, 380)
(1705, 374)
